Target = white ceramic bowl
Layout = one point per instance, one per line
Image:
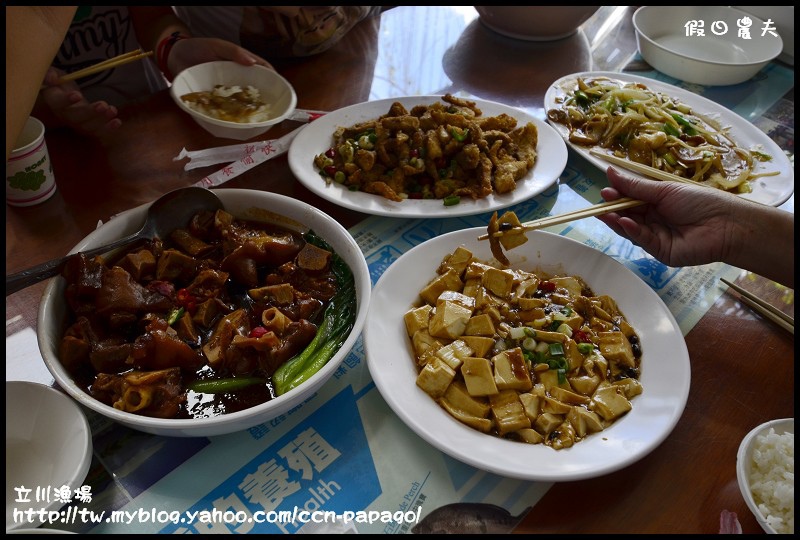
(242, 203)
(783, 19)
(275, 91)
(535, 23)
(48, 445)
(745, 465)
(711, 59)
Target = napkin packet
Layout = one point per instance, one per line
(242, 157)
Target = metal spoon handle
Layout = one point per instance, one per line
(26, 278)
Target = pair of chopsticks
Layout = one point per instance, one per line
(602, 208)
(646, 170)
(594, 210)
(120, 60)
(762, 307)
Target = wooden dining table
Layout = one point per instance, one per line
(742, 368)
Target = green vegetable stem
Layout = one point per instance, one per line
(218, 386)
(337, 321)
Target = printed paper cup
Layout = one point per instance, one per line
(29, 173)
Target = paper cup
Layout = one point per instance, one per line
(29, 173)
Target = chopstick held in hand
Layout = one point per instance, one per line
(595, 210)
(111, 63)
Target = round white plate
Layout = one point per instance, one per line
(770, 190)
(665, 370)
(317, 137)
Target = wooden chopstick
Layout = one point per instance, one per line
(646, 170)
(122, 59)
(764, 308)
(594, 210)
(761, 311)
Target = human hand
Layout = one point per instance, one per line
(192, 51)
(67, 106)
(682, 225)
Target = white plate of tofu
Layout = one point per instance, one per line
(663, 372)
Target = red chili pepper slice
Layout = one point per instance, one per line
(257, 332)
(581, 337)
(185, 299)
(547, 286)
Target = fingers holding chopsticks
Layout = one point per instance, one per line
(65, 105)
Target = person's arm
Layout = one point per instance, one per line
(154, 24)
(33, 36)
(686, 225)
(764, 243)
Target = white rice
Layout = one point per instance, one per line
(772, 479)
(261, 112)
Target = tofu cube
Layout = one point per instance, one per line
(457, 397)
(584, 421)
(481, 346)
(610, 402)
(498, 282)
(477, 373)
(508, 413)
(417, 319)
(476, 270)
(530, 436)
(571, 284)
(449, 321)
(425, 345)
(457, 297)
(472, 286)
(435, 377)
(449, 281)
(458, 260)
(511, 371)
(480, 325)
(547, 422)
(453, 354)
(530, 402)
(615, 347)
(511, 239)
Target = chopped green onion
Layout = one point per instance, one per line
(669, 129)
(451, 200)
(582, 99)
(459, 136)
(688, 127)
(556, 349)
(530, 332)
(175, 315)
(585, 348)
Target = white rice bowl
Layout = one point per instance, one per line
(273, 89)
(765, 471)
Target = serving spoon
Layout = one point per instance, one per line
(171, 211)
